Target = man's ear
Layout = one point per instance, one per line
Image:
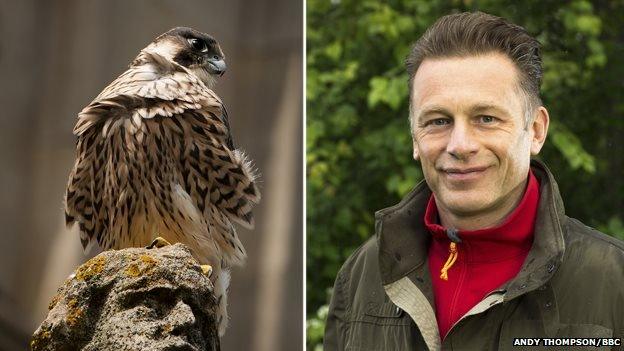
(539, 127)
(415, 147)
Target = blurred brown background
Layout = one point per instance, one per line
(55, 56)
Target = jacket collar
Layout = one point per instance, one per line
(404, 240)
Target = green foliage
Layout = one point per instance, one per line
(359, 149)
(571, 148)
(390, 91)
(315, 327)
(614, 226)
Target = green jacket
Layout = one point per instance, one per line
(570, 285)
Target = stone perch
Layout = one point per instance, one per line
(133, 299)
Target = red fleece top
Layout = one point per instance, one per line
(486, 258)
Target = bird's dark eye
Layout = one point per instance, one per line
(198, 44)
(216, 57)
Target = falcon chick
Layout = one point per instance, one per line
(155, 157)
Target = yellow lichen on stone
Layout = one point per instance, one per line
(74, 313)
(148, 261)
(167, 328)
(40, 340)
(91, 268)
(143, 265)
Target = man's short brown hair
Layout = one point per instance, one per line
(477, 33)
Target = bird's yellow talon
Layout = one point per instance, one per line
(158, 243)
(207, 269)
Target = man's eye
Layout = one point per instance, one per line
(439, 122)
(487, 119)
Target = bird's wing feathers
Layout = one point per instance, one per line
(233, 189)
(222, 180)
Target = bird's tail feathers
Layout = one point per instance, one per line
(221, 285)
(226, 238)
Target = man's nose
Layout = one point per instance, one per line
(462, 142)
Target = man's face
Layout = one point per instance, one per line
(470, 134)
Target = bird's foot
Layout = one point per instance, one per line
(207, 269)
(158, 243)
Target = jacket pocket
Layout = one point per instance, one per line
(384, 312)
(380, 327)
(584, 331)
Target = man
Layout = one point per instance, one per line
(481, 253)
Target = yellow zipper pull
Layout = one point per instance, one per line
(449, 262)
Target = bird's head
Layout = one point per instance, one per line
(197, 51)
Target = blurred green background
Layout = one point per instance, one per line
(359, 156)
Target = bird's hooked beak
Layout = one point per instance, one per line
(217, 67)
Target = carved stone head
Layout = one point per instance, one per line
(133, 299)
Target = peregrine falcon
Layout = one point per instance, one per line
(155, 158)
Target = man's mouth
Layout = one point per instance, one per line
(464, 173)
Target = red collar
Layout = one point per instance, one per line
(511, 238)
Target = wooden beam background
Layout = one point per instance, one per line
(55, 56)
